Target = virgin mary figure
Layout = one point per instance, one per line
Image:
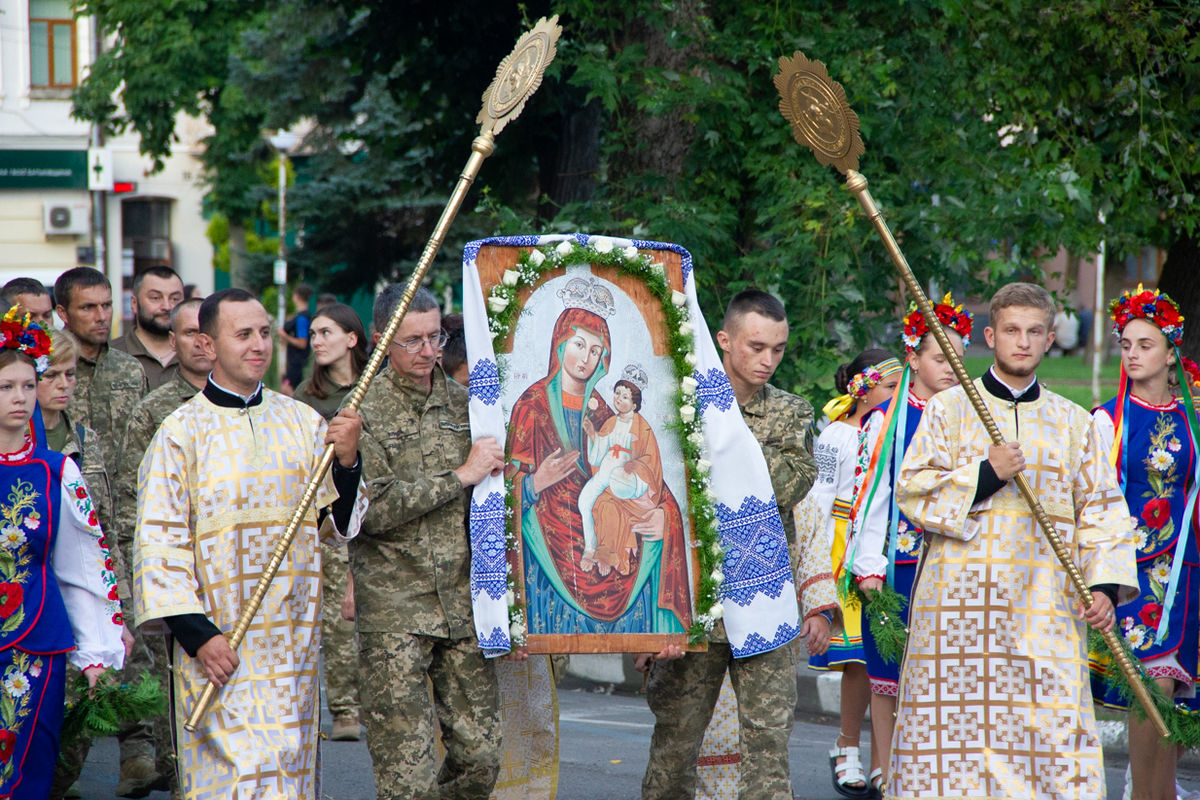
(549, 465)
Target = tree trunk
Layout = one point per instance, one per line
(1181, 280)
(568, 163)
(238, 279)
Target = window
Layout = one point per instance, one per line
(51, 44)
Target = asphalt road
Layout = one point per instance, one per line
(604, 740)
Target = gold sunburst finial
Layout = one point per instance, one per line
(518, 76)
(815, 105)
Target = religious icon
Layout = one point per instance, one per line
(596, 480)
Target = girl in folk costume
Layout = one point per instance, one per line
(1152, 436)
(868, 380)
(58, 596)
(885, 546)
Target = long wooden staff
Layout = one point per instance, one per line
(517, 78)
(821, 119)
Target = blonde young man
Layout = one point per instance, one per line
(994, 698)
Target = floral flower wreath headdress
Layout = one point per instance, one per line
(18, 333)
(1158, 308)
(950, 315)
(858, 387)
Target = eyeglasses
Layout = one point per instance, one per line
(417, 344)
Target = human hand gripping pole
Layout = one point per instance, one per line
(517, 78)
(821, 119)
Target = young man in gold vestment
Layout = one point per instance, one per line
(994, 698)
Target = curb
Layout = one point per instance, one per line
(817, 694)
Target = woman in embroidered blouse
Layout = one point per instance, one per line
(58, 597)
(884, 546)
(867, 381)
(1153, 447)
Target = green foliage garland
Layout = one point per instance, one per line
(100, 711)
(502, 316)
(1183, 727)
(882, 611)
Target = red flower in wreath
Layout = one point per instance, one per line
(1156, 512)
(8, 743)
(80, 492)
(11, 595)
(1150, 614)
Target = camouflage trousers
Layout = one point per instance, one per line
(338, 643)
(397, 671)
(682, 694)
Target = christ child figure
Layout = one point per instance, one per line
(614, 452)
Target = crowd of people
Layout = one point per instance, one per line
(148, 478)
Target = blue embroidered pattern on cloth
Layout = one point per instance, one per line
(713, 389)
(488, 562)
(756, 644)
(496, 641)
(756, 553)
(485, 381)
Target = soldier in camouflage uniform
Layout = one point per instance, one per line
(682, 692)
(110, 384)
(150, 652)
(411, 565)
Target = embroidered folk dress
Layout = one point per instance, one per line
(58, 603)
(994, 697)
(216, 489)
(1156, 463)
(838, 473)
(872, 551)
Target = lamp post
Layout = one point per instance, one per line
(283, 142)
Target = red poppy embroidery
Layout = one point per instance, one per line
(8, 743)
(1150, 614)
(117, 619)
(1156, 512)
(112, 593)
(92, 520)
(11, 595)
(80, 492)
(108, 563)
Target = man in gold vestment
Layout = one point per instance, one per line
(995, 700)
(216, 489)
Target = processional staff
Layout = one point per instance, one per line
(517, 78)
(822, 120)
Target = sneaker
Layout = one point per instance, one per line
(345, 728)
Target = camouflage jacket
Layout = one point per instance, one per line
(144, 420)
(411, 560)
(85, 452)
(782, 423)
(108, 389)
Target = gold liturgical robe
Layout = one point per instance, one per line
(216, 489)
(995, 700)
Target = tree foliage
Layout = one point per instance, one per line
(995, 133)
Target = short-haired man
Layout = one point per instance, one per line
(110, 382)
(156, 291)
(683, 692)
(216, 489)
(995, 699)
(411, 571)
(193, 368)
(31, 297)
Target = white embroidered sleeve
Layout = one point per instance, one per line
(83, 569)
(865, 551)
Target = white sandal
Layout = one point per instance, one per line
(875, 782)
(849, 772)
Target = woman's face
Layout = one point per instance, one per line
(1144, 351)
(582, 354)
(18, 393)
(329, 342)
(931, 371)
(57, 385)
(881, 391)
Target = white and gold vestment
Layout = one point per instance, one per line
(216, 489)
(995, 700)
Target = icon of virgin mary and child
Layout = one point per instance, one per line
(603, 540)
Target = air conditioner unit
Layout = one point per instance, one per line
(66, 218)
